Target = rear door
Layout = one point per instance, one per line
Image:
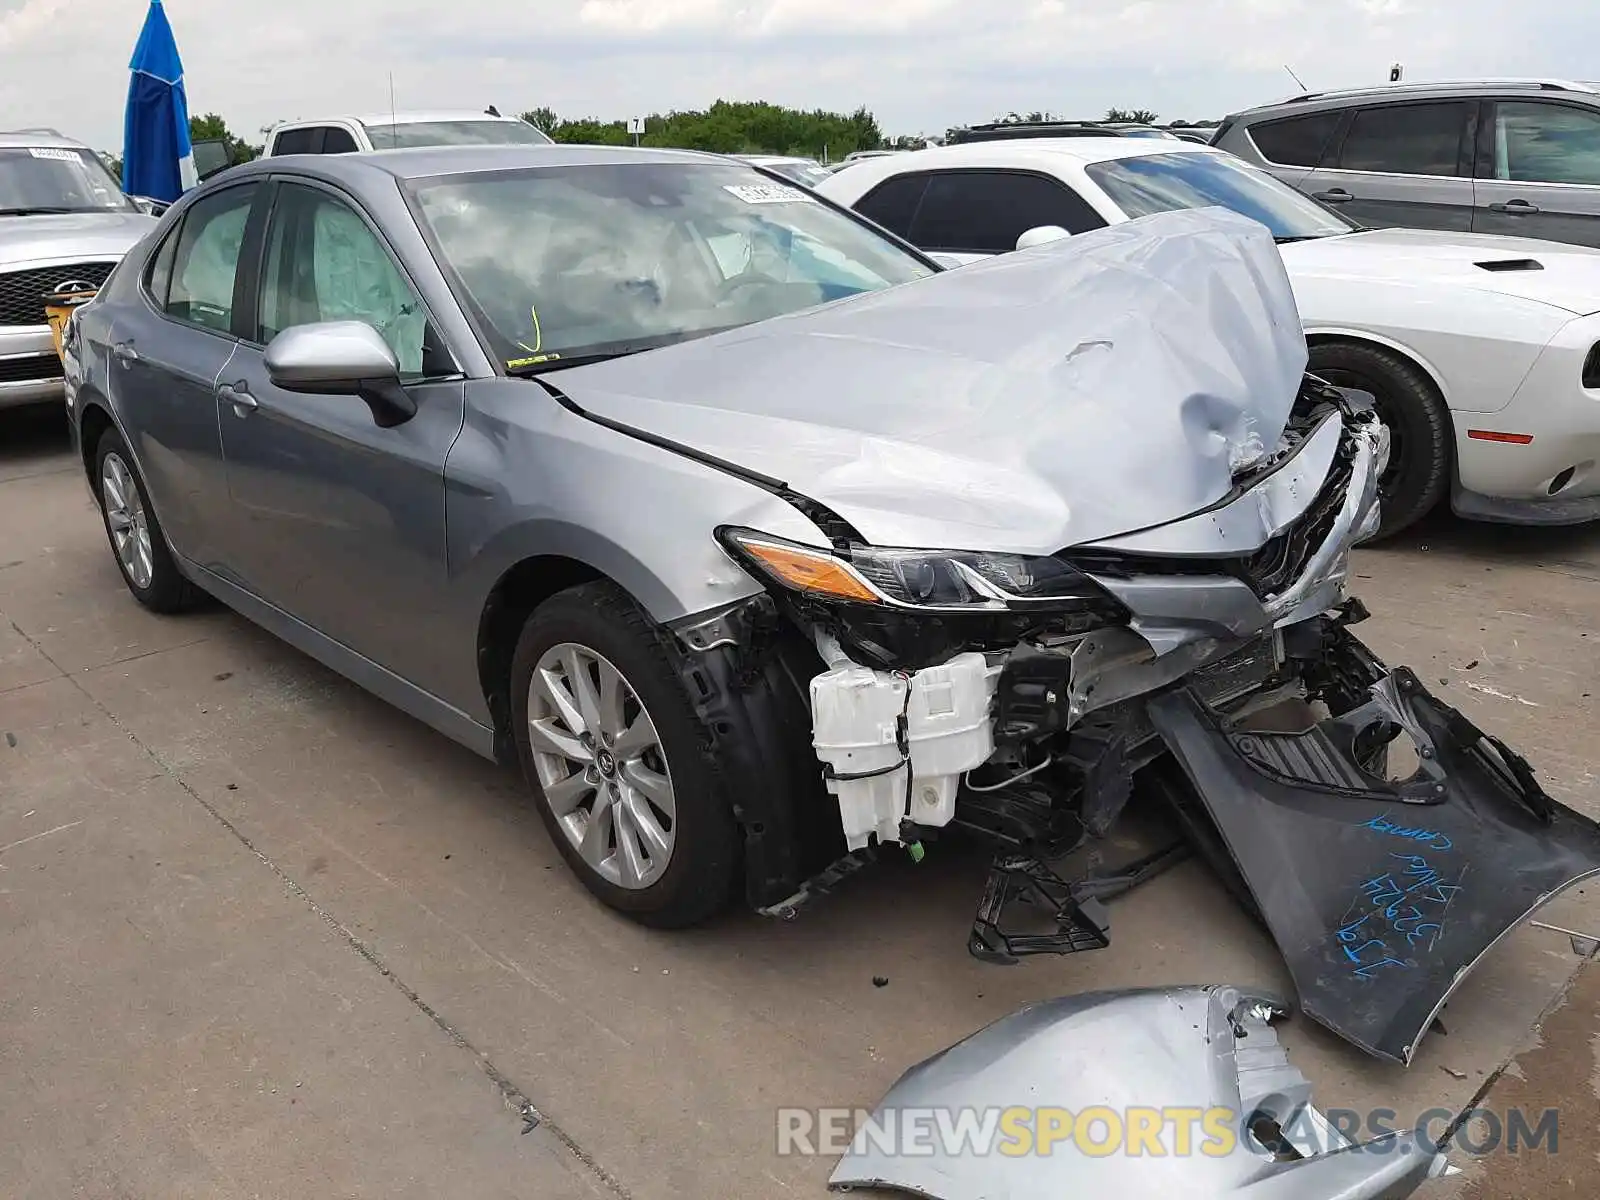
(169, 348)
(338, 522)
(1538, 168)
(1407, 165)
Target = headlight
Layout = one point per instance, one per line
(939, 580)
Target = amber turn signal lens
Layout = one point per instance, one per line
(810, 571)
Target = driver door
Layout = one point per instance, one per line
(338, 522)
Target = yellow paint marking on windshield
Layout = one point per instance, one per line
(538, 334)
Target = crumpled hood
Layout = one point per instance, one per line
(1569, 278)
(71, 237)
(1061, 395)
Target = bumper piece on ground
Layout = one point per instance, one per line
(1381, 895)
(1132, 1078)
(1075, 912)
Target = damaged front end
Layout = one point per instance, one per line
(1020, 697)
(1157, 1093)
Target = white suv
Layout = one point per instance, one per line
(390, 131)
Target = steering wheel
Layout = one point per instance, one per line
(730, 287)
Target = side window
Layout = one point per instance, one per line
(893, 203)
(298, 141)
(987, 211)
(338, 141)
(158, 275)
(324, 263)
(206, 258)
(1406, 139)
(1546, 143)
(1295, 141)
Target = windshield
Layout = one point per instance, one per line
(407, 134)
(1163, 182)
(568, 262)
(47, 179)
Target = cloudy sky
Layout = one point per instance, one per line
(920, 65)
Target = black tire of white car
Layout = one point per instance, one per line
(168, 590)
(1407, 401)
(704, 863)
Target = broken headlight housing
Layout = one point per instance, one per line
(947, 581)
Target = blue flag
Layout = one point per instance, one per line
(157, 160)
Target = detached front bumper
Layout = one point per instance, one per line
(1381, 895)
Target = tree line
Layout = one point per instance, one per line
(726, 127)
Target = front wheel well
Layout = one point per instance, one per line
(92, 426)
(1314, 340)
(1410, 401)
(523, 588)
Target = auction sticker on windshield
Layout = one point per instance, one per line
(768, 193)
(53, 152)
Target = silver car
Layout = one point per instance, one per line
(1519, 157)
(64, 224)
(761, 543)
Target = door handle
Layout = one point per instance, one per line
(1333, 196)
(1515, 208)
(239, 396)
(125, 353)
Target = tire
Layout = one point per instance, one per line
(696, 877)
(1420, 427)
(148, 569)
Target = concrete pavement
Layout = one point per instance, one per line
(265, 936)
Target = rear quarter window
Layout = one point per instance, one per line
(299, 141)
(1296, 141)
(893, 203)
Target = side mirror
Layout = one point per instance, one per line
(148, 206)
(948, 261)
(341, 358)
(1040, 235)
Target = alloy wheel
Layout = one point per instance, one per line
(601, 765)
(125, 517)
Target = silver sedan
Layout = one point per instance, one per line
(762, 544)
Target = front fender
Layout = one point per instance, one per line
(529, 479)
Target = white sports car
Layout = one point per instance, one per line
(1483, 353)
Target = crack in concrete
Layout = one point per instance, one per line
(1508, 1067)
(512, 1095)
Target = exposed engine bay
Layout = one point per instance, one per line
(1208, 661)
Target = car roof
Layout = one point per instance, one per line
(423, 162)
(1044, 153)
(765, 159)
(1421, 89)
(21, 139)
(413, 117)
